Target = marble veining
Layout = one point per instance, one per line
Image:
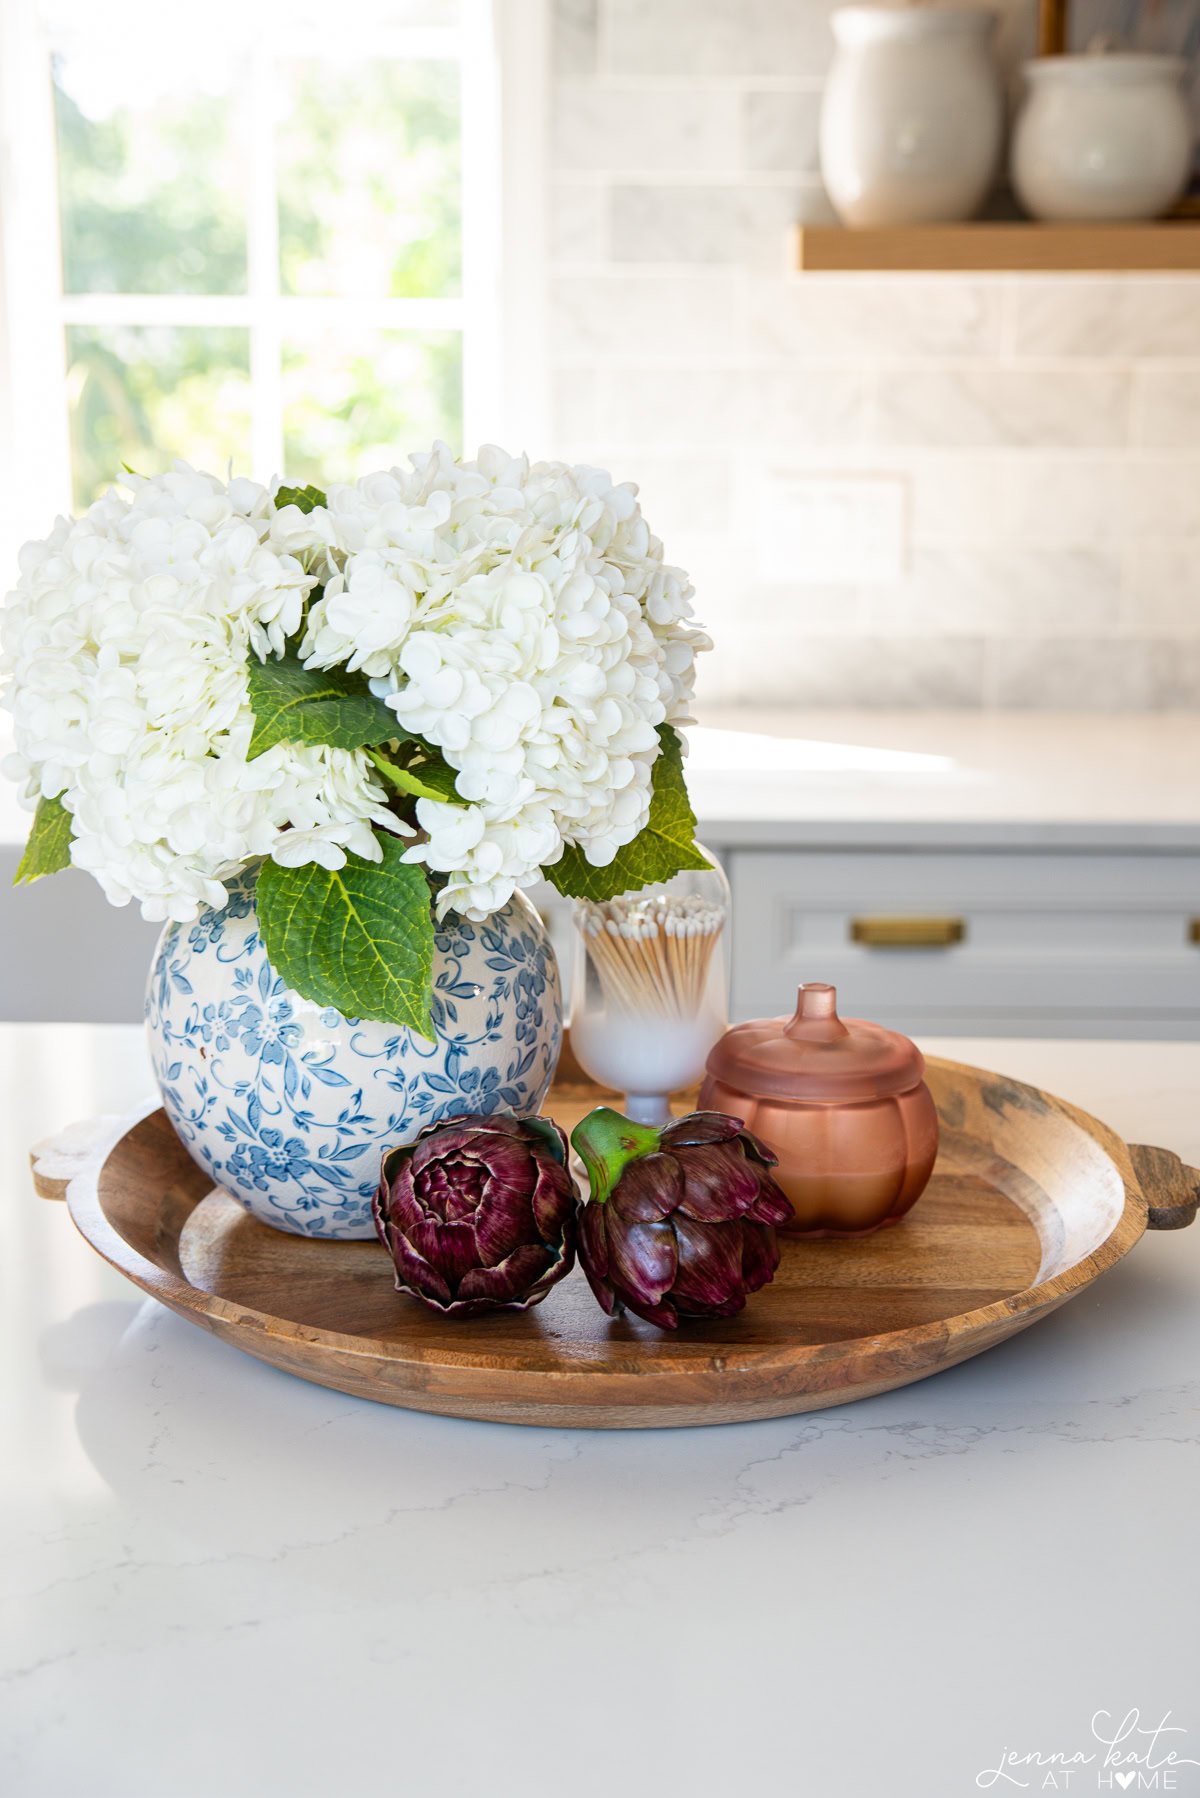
(213, 1576)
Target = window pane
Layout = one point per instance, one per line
(144, 396)
(354, 405)
(369, 183)
(151, 173)
(373, 15)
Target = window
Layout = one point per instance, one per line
(262, 232)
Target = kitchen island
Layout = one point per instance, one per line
(1054, 857)
(218, 1579)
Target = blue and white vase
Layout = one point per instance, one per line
(289, 1105)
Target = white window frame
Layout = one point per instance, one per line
(501, 45)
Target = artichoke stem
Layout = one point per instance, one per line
(606, 1143)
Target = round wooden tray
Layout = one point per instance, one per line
(1030, 1201)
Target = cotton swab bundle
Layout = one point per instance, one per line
(652, 954)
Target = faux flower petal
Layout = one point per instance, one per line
(709, 1274)
(760, 1254)
(509, 1282)
(602, 1291)
(505, 1219)
(593, 1244)
(756, 1149)
(518, 616)
(718, 1181)
(398, 1200)
(641, 1260)
(485, 1206)
(772, 1206)
(663, 1316)
(414, 1274)
(698, 1127)
(648, 1189)
(450, 1248)
(553, 1198)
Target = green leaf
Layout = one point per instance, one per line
(304, 497)
(295, 704)
(664, 847)
(427, 779)
(49, 846)
(359, 939)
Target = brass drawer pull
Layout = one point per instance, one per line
(908, 933)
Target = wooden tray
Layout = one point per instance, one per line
(1030, 1201)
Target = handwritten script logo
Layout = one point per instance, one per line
(1129, 1756)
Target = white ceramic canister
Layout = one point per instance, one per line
(1102, 136)
(913, 114)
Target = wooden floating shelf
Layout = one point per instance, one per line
(999, 248)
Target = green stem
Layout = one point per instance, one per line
(606, 1143)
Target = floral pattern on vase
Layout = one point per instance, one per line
(289, 1105)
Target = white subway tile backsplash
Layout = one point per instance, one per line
(797, 611)
(1126, 317)
(1175, 674)
(953, 498)
(769, 663)
(740, 224)
(1056, 499)
(985, 407)
(1164, 589)
(825, 408)
(643, 317)
(1032, 442)
(574, 26)
(819, 408)
(867, 319)
(577, 226)
(680, 495)
(1065, 499)
(643, 130)
(1159, 496)
(718, 37)
(1166, 408)
(1069, 674)
(672, 407)
(574, 408)
(779, 130)
(821, 528)
(1009, 590)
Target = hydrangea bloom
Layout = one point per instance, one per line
(123, 652)
(521, 617)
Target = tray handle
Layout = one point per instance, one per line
(1172, 1189)
(55, 1161)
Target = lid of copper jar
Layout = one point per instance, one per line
(816, 1054)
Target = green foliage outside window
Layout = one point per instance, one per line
(154, 194)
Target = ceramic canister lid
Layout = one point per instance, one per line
(816, 1055)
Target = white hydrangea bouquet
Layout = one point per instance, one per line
(411, 695)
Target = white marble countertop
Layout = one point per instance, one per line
(778, 777)
(774, 777)
(218, 1579)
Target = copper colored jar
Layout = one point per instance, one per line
(843, 1104)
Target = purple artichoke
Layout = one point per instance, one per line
(681, 1221)
(479, 1213)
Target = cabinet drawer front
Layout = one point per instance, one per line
(934, 938)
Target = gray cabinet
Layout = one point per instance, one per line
(1036, 940)
(1059, 936)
